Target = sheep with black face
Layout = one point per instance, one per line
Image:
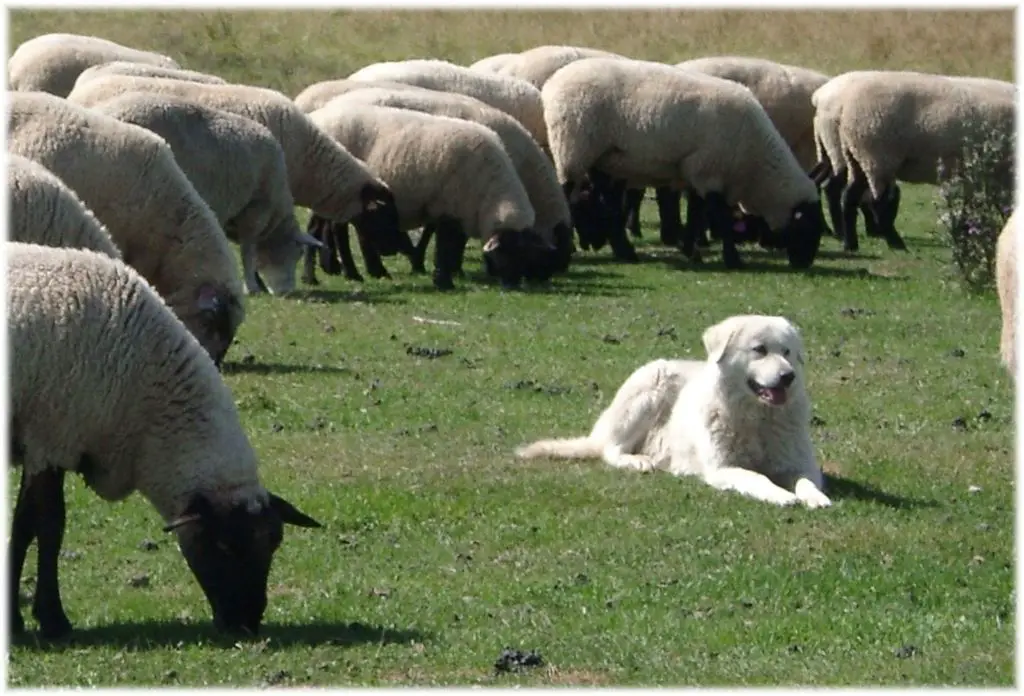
(86, 330)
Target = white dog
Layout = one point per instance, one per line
(739, 420)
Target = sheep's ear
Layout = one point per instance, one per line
(289, 514)
(208, 299)
(492, 244)
(309, 240)
(198, 509)
(717, 338)
(375, 196)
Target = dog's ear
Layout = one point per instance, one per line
(717, 338)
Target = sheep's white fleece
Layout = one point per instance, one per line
(52, 62)
(516, 97)
(44, 210)
(652, 124)
(436, 166)
(322, 175)
(103, 372)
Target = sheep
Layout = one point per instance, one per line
(541, 62)
(105, 381)
(644, 123)
(492, 64)
(898, 125)
(553, 219)
(452, 173)
(52, 62)
(44, 210)
(128, 177)
(124, 67)
(238, 167)
(322, 175)
(319, 93)
(1006, 289)
(518, 98)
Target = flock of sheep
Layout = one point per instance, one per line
(128, 175)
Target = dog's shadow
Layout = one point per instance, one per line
(840, 488)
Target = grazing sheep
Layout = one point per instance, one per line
(454, 174)
(238, 167)
(106, 382)
(128, 177)
(1006, 287)
(553, 220)
(492, 64)
(516, 97)
(541, 62)
(897, 126)
(319, 93)
(648, 124)
(52, 62)
(43, 210)
(124, 67)
(322, 175)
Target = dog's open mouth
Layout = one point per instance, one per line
(774, 396)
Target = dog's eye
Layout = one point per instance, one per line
(760, 350)
(785, 353)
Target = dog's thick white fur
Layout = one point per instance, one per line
(739, 420)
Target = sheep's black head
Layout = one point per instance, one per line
(512, 255)
(803, 234)
(592, 215)
(378, 220)
(564, 247)
(215, 320)
(230, 554)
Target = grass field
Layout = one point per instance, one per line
(439, 549)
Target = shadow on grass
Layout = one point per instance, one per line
(776, 266)
(360, 292)
(149, 635)
(839, 488)
(260, 368)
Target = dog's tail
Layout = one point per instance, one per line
(562, 448)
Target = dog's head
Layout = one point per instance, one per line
(760, 357)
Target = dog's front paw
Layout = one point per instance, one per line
(783, 498)
(810, 495)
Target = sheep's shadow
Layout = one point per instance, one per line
(840, 488)
(261, 368)
(155, 635)
(360, 292)
(752, 264)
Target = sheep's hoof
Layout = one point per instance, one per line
(897, 244)
(308, 280)
(353, 276)
(851, 248)
(379, 273)
(444, 283)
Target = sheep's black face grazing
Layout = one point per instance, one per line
(230, 555)
(512, 255)
(217, 312)
(563, 247)
(379, 221)
(803, 234)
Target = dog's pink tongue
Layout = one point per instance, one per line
(774, 395)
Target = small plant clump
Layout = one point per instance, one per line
(975, 198)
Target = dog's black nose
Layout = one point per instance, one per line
(787, 378)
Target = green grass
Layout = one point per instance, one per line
(439, 549)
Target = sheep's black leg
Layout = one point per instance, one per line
(720, 219)
(448, 245)
(23, 531)
(634, 199)
(329, 263)
(833, 191)
(856, 185)
(582, 214)
(886, 209)
(314, 229)
(614, 194)
(670, 214)
(339, 235)
(371, 257)
(693, 230)
(419, 256)
(47, 494)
